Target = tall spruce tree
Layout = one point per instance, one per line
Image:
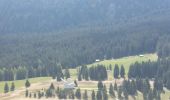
(100, 85)
(6, 88)
(78, 93)
(122, 71)
(12, 88)
(27, 84)
(85, 95)
(116, 71)
(99, 95)
(67, 73)
(93, 96)
(111, 91)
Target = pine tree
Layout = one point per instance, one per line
(52, 87)
(105, 96)
(12, 87)
(122, 71)
(150, 95)
(99, 95)
(93, 96)
(105, 89)
(100, 85)
(26, 93)
(125, 93)
(75, 82)
(85, 96)
(120, 90)
(35, 95)
(27, 84)
(116, 71)
(67, 73)
(79, 77)
(6, 88)
(39, 94)
(115, 86)
(78, 94)
(111, 91)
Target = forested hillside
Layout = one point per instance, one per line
(76, 32)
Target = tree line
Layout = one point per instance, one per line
(158, 71)
(19, 73)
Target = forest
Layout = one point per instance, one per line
(109, 30)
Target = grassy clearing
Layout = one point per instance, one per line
(127, 61)
(21, 83)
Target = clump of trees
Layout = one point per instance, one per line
(98, 72)
(19, 73)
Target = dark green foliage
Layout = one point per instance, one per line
(79, 76)
(100, 85)
(98, 73)
(21, 73)
(122, 71)
(116, 71)
(105, 96)
(67, 73)
(52, 87)
(26, 93)
(12, 88)
(115, 86)
(27, 84)
(99, 95)
(93, 96)
(39, 95)
(48, 93)
(78, 94)
(111, 91)
(6, 88)
(120, 91)
(75, 82)
(35, 95)
(85, 95)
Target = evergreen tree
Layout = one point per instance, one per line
(116, 71)
(85, 95)
(105, 89)
(100, 85)
(78, 94)
(26, 93)
(27, 84)
(75, 82)
(115, 86)
(67, 73)
(52, 87)
(35, 95)
(125, 93)
(99, 95)
(39, 95)
(12, 87)
(122, 71)
(150, 95)
(79, 77)
(105, 96)
(120, 90)
(111, 91)
(93, 96)
(6, 88)
(110, 67)
(133, 88)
